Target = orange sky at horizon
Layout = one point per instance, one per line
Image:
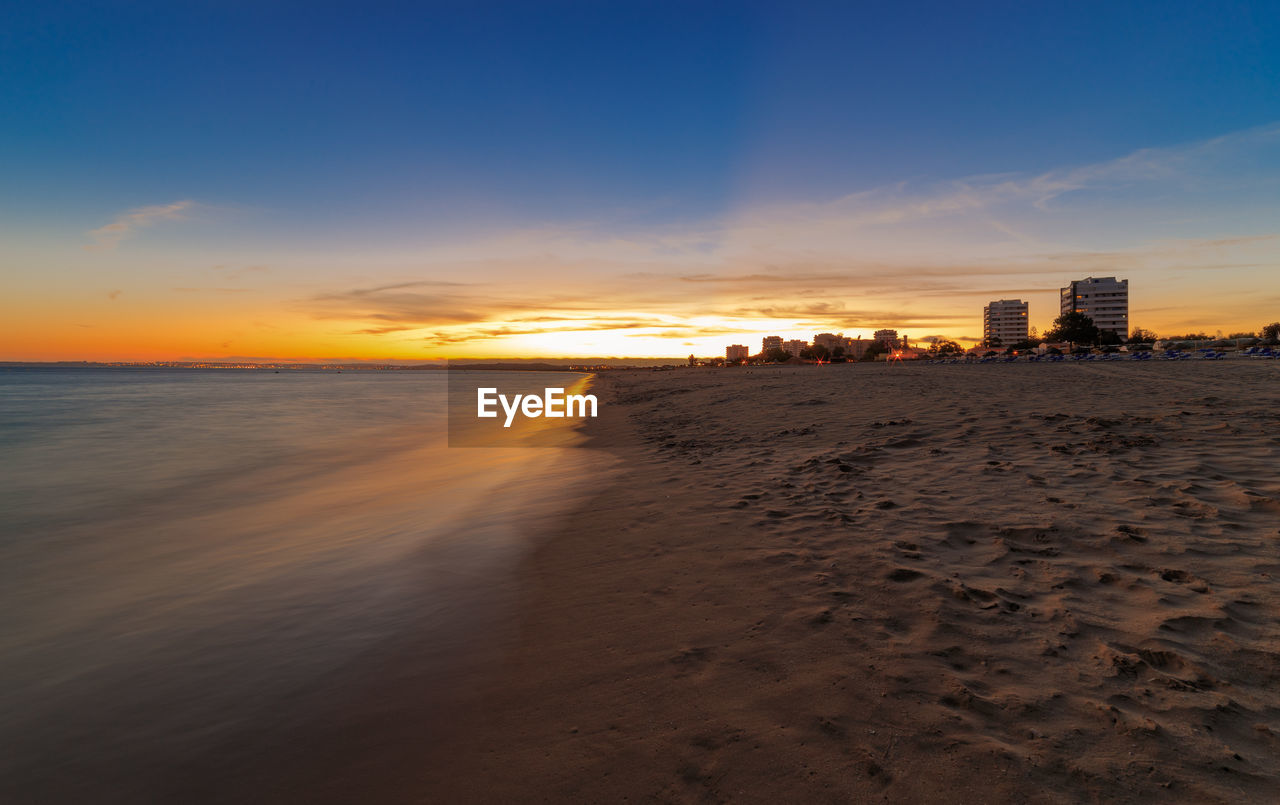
(183, 280)
(261, 324)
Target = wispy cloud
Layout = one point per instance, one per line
(917, 255)
(505, 331)
(107, 238)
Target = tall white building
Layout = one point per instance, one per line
(1004, 322)
(1103, 299)
(736, 352)
(770, 342)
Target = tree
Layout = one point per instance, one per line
(1074, 327)
(994, 342)
(820, 352)
(1271, 332)
(1141, 336)
(1024, 346)
(874, 350)
(1108, 338)
(777, 355)
(944, 347)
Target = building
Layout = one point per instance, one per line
(887, 338)
(736, 352)
(833, 342)
(795, 347)
(1103, 299)
(770, 342)
(1004, 322)
(858, 348)
(828, 340)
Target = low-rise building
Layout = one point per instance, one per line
(795, 346)
(736, 353)
(770, 342)
(887, 338)
(829, 340)
(834, 341)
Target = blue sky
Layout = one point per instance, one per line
(297, 131)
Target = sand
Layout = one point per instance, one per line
(1039, 583)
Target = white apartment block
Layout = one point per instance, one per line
(1004, 322)
(736, 352)
(770, 342)
(1103, 299)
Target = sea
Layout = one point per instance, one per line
(209, 578)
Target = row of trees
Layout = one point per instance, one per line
(942, 347)
(818, 352)
(1074, 327)
(1080, 329)
(1270, 332)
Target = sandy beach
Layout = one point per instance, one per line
(1020, 583)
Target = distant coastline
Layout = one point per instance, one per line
(501, 365)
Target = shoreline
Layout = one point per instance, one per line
(291, 622)
(786, 584)
(692, 634)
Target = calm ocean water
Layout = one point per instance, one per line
(199, 569)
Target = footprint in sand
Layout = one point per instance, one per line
(902, 574)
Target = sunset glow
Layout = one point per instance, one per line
(302, 236)
(665, 401)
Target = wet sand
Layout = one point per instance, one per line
(1042, 583)
(236, 587)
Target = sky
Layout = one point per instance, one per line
(382, 181)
